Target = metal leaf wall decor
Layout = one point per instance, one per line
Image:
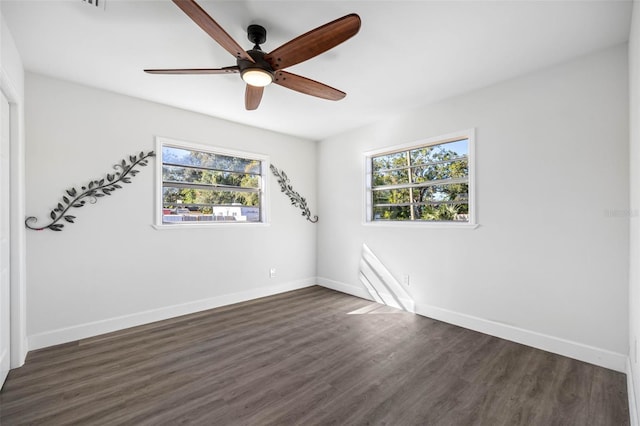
(91, 192)
(296, 199)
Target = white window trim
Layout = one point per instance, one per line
(265, 210)
(469, 134)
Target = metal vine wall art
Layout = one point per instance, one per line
(91, 192)
(296, 199)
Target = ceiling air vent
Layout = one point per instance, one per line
(99, 4)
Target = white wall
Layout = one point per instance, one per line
(548, 264)
(111, 269)
(12, 85)
(634, 234)
(10, 58)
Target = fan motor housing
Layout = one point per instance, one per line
(260, 63)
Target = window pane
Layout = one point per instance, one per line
(444, 212)
(454, 192)
(203, 186)
(209, 160)
(389, 161)
(428, 183)
(391, 178)
(392, 213)
(445, 151)
(181, 174)
(186, 174)
(392, 196)
(187, 196)
(446, 170)
(189, 205)
(227, 213)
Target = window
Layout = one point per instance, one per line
(205, 185)
(428, 182)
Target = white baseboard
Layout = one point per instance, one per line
(4, 361)
(83, 331)
(631, 393)
(353, 290)
(362, 292)
(597, 356)
(19, 354)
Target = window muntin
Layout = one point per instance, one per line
(205, 185)
(431, 182)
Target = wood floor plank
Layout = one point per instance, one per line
(309, 357)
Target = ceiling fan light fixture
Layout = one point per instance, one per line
(258, 68)
(257, 77)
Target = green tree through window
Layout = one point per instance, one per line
(199, 185)
(425, 183)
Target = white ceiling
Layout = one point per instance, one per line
(407, 53)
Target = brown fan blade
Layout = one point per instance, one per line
(307, 86)
(252, 97)
(225, 70)
(211, 27)
(314, 42)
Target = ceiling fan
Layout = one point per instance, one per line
(259, 69)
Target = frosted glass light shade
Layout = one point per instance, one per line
(257, 77)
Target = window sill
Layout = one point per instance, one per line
(209, 225)
(415, 224)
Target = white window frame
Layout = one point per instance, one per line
(468, 134)
(264, 201)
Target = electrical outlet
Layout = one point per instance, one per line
(405, 280)
(272, 273)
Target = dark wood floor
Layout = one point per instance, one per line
(308, 357)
